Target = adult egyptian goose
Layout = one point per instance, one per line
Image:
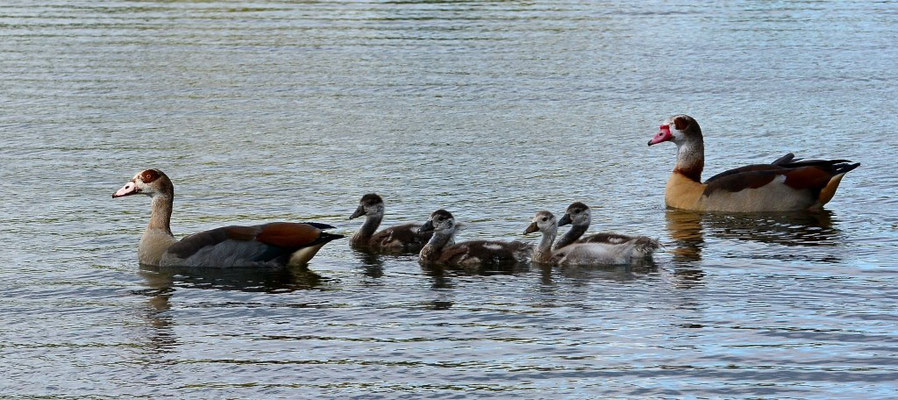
(579, 215)
(397, 239)
(276, 244)
(787, 184)
(477, 254)
(633, 251)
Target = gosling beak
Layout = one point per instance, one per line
(531, 228)
(358, 212)
(427, 227)
(566, 219)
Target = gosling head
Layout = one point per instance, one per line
(543, 221)
(371, 205)
(151, 182)
(577, 214)
(440, 222)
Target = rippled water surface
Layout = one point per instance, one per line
(271, 110)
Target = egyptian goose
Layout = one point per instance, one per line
(579, 216)
(439, 250)
(633, 251)
(395, 240)
(787, 184)
(276, 244)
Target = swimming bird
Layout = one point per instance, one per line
(632, 251)
(397, 239)
(467, 255)
(275, 244)
(579, 215)
(787, 184)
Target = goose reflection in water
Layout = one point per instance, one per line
(161, 338)
(689, 230)
(372, 264)
(581, 274)
(243, 279)
(788, 229)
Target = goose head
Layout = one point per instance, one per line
(544, 222)
(577, 214)
(441, 223)
(371, 205)
(679, 129)
(150, 182)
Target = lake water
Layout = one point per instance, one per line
(270, 110)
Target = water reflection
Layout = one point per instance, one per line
(243, 279)
(685, 228)
(478, 270)
(788, 229)
(371, 263)
(615, 273)
(438, 277)
(161, 338)
(688, 230)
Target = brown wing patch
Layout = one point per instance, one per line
(740, 181)
(747, 168)
(808, 178)
(241, 232)
(288, 235)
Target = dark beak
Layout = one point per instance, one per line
(566, 219)
(531, 228)
(358, 212)
(427, 227)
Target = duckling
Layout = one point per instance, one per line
(579, 216)
(590, 253)
(399, 239)
(467, 255)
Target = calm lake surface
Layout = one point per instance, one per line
(269, 111)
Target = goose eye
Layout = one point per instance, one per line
(545, 219)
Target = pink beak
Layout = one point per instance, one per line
(129, 189)
(663, 135)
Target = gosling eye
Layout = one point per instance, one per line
(545, 219)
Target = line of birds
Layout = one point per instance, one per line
(787, 184)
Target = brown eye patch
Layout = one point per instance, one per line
(680, 123)
(149, 175)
